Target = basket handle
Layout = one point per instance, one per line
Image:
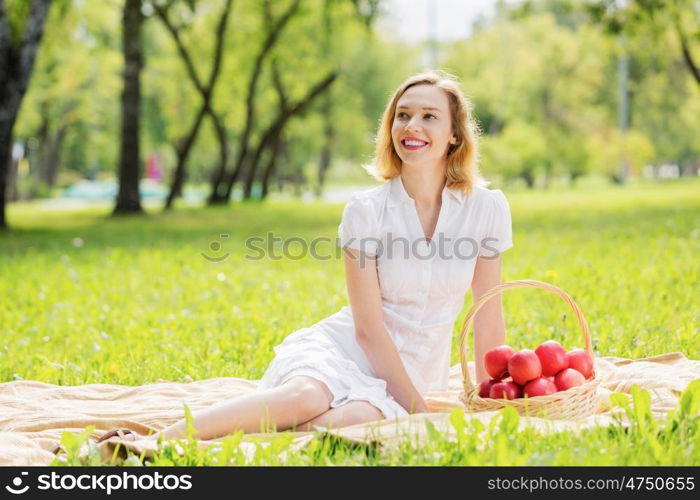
(463, 345)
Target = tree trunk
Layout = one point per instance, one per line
(11, 95)
(278, 145)
(529, 178)
(690, 63)
(685, 48)
(182, 151)
(42, 136)
(217, 195)
(617, 179)
(548, 174)
(298, 180)
(328, 145)
(5, 159)
(12, 175)
(55, 159)
(128, 199)
(50, 146)
(573, 177)
(271, 137)
(16, 65)
(51, 142)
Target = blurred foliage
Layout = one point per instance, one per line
(542, 74)
(79, 67)
(544, 80)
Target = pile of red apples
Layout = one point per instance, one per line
(527, 373)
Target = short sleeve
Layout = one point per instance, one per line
(358, 228)
(498, 236)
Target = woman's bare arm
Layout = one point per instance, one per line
(489, 326)
(366, 304)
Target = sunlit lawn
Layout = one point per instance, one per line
(86, 298)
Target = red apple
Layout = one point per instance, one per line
(552, 356)
(496, 361)
(568, 378)
(539, 387)
(485, 387)
(524, 366)
(507, 390)
(580, 361)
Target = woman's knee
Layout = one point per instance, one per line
(309, 395)
(354, 412)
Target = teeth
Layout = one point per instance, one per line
(414, 143)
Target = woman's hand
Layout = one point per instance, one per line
(419, 406)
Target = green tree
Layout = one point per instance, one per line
(69, 109)
(520, 151)
(640, 18)
(204, 88)
(21, 30)
(609, 148)
(535, 79)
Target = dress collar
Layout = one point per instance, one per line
(399, 195)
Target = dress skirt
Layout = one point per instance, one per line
(312, 352)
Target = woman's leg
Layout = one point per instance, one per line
(354, 412)
(297, 400)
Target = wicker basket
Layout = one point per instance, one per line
(574, 403)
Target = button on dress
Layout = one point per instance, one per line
(423, 284)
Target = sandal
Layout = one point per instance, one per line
(126, 434)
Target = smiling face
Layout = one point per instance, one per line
(422, 128)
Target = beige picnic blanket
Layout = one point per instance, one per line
(33, 415)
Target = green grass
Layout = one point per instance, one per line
(88, 298)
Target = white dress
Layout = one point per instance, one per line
(423, 286)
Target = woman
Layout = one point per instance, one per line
(412, 247)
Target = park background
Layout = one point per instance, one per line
(147, 140)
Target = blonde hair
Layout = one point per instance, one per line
(462, 170)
